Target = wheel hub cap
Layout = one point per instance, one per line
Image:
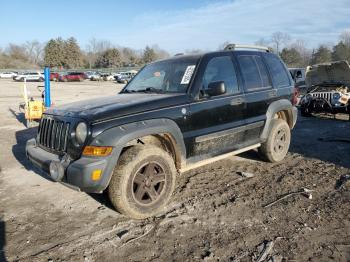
(280, 141)
(148, 183)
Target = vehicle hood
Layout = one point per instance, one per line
(337, 72)
(103, 108)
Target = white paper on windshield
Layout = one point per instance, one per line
(188, 74)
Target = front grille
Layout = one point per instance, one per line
(325, 95)
(53, 134)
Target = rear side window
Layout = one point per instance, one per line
(278, 72)
(254, 72)
(221, 69)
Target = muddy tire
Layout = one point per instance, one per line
(142, 182)
(277, 144)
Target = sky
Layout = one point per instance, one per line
(175, 26)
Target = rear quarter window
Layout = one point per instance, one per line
(279, 74)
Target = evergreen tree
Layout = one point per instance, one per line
(149, 55)
(341, 52)
(322, 55)
(73, 56)
(53, 53)
(109, 58)
(291, 57)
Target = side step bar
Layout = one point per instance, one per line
(217, 158)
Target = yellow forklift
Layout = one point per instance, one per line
(33, 109)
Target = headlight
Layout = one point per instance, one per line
(336, 96)
(81, 132)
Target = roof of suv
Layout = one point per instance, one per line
(200, 55)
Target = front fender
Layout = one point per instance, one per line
(119, 136)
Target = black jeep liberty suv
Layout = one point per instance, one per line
(174, 115)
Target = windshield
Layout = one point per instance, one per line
(169, 76)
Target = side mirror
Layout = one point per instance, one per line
(216, 88)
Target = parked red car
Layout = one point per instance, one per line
(72, 76)
(54, 76)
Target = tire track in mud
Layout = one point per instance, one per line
(218, 214)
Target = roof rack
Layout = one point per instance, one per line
(231, 47)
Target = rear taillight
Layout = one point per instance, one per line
(295, 96)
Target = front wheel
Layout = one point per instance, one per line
(277, 144)
(143, 181)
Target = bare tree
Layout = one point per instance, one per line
(304, 52)
(263, 42)
(95, 48)
(129, 56)
(17, 52)
(345, 38)
(160, 53)
(279, 39)
(34, 50)
(223, 45)
(193, 51)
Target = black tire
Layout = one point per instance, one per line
(277, 144)
(142, 182)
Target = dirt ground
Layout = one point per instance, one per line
(219, 212)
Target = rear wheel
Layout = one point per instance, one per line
(277, 144)
(142, 182)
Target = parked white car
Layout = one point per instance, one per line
(7, 74)
(30, 76)
(107, 77)
(95, 77)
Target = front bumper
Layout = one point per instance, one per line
(77, 173)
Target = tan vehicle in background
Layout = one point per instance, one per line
(328, 89)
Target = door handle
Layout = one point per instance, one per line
(273, 93)
(237, 101)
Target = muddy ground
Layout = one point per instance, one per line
(219, 212)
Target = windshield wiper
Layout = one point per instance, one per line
(128, 91)
(150, 90)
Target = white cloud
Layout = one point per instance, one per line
(241, 21)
